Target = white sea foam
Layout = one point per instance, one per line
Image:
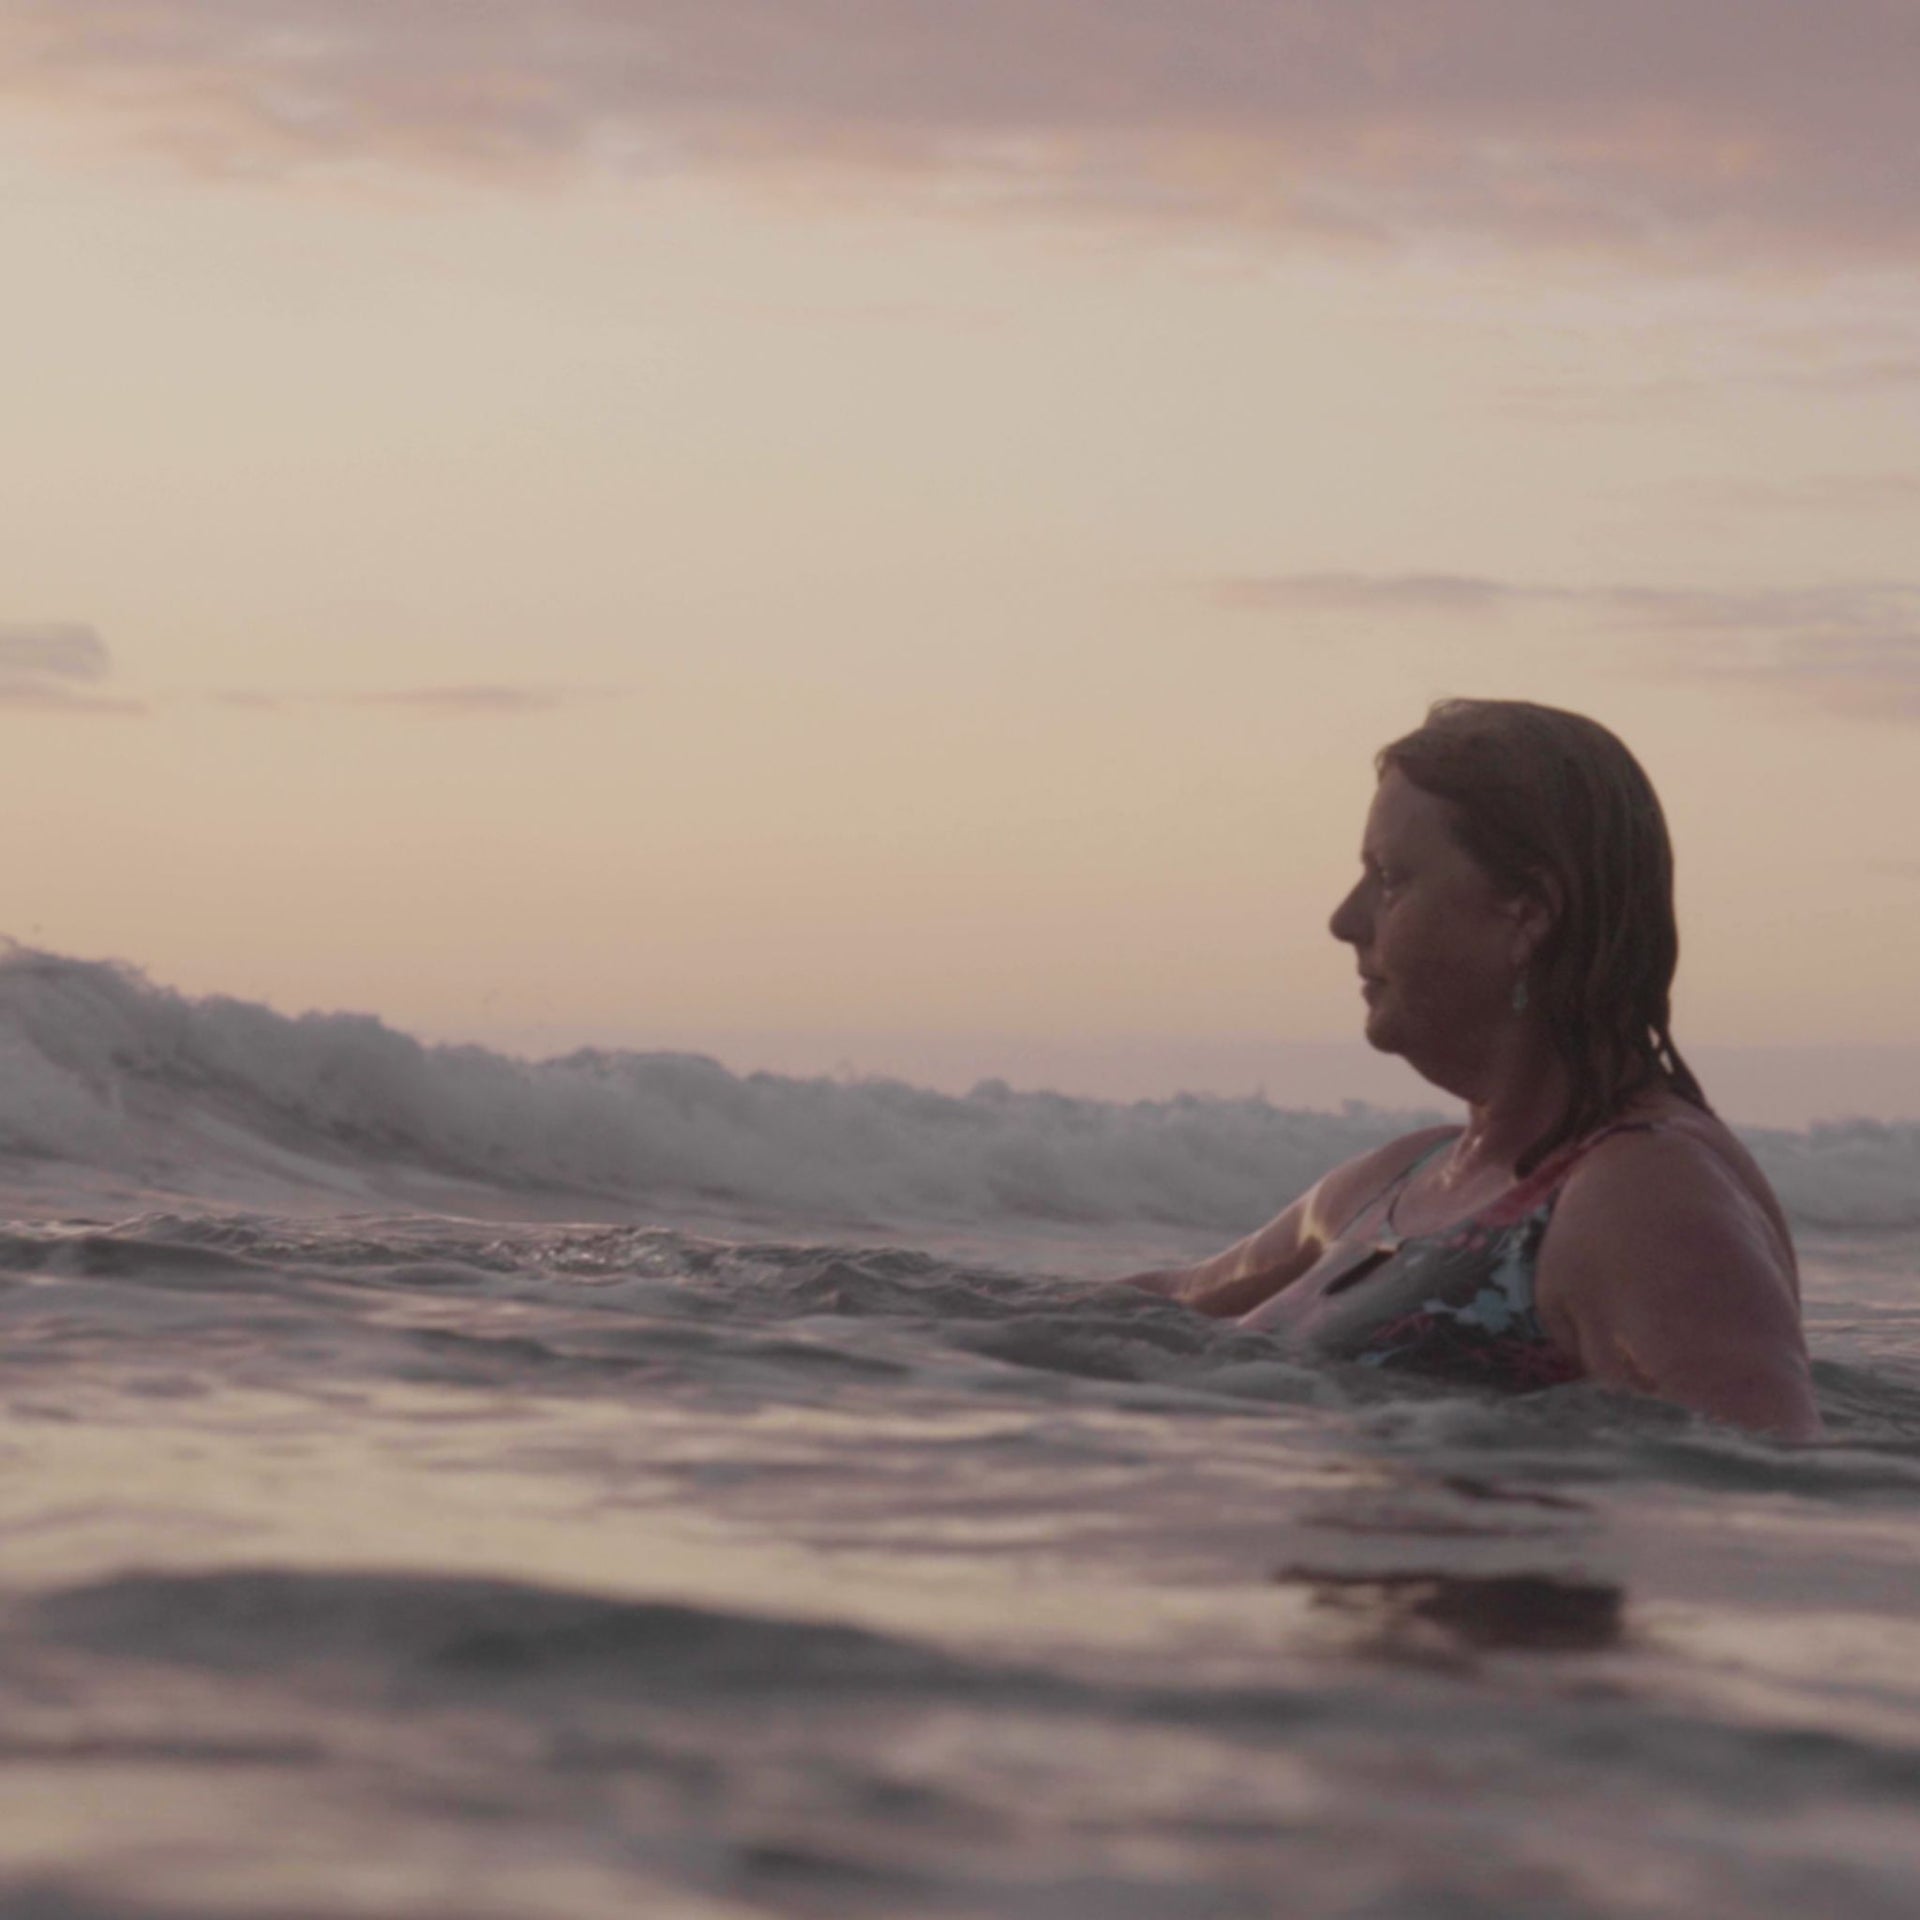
(101, 1069)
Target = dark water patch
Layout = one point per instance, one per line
(792, 1867)
(596, 1754)
(397, 1637)
(39, 1898)
(429, 1276)
(185, 1750)
(1470, 1488)
(570, 1358)
(807, 1883)
(269, 1620)
(881, 1282)
(1721, 1461)
(1869, 1405)
(1053, 1344)
(1440, 1900)
(22, 1252)
(1758, 1769)
(1119, 1340)
(1586, 1435)
(42, 1897)
(345, 1244)
(152, 1262)
(1513, 1613)
(444, 1356)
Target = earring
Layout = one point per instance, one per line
(1520, 994)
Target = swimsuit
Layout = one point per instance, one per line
(1457, 1302)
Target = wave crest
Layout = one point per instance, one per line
(103, 1069)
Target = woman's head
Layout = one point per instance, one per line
(1560, 819)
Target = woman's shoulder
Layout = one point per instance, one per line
(1668, 1269)
(1664, 1128)
(1665, 1156)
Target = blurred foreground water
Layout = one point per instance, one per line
(404, 1566)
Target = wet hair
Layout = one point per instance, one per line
(1550, 804)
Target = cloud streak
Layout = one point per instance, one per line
(472, 701)
(1733, 127)
(54, 650)
(1826, 493)
(1366, 593)
(462, 702)
(53, 667)
(1853, 648)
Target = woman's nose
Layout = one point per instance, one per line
(1348, 922)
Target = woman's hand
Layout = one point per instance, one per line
(1167, 1282)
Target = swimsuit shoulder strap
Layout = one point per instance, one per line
(1391, 1191)
(1542, 1187)
(1563, 1163)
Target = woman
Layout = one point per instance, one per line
(1513, 927)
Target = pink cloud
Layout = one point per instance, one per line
(53, 649)
(1737, 128)
(51, 666)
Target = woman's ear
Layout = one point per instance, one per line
(1536, 912)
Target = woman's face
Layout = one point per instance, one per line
(1439, 948)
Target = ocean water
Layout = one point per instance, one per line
(438, 1485)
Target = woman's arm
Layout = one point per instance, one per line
(1236, 1280)
(1663, 1271)
(1253, 1270)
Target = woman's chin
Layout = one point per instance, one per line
(1384, 1030)
(1379, 1032)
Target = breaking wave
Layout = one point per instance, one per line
(101, 1069)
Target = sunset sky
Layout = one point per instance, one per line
(885, 533)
